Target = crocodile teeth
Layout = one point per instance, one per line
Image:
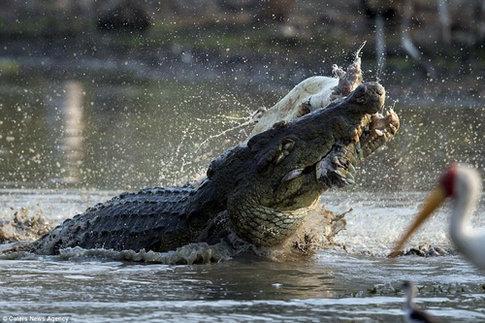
(341, 172)
(350, 177)
(378, 132)
(351, 158)
(322, 168)
(343, 162)
(393, 128)
(351, 168)
(358, 149)
(349, 180)
(345, 175)
(337, 162)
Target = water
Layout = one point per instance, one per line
(115, 136)
(68, 144)
(76, 134)
(360, 284)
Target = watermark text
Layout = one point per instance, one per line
(35, 318)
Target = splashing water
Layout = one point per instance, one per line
(380, 47)
(204, 139)
(243, 123)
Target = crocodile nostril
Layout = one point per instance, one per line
(378, 89)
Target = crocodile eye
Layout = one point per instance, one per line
(210, 170)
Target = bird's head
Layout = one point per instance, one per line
(459, 182)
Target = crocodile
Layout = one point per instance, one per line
(258, 191)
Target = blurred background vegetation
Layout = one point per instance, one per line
(448, 34)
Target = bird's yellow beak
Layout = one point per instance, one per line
(434, 199)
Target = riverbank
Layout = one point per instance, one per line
(235, 42)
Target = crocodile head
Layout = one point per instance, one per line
(283, 170)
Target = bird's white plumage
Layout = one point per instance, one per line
(317, 90)
(467, 240)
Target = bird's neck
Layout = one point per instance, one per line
(409, 304)
(464, 205)
(410, 295)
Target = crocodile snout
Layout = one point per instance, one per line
(376, 89)
(368, 98)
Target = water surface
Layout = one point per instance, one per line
(68, 144)
(72, 133)
(356, 284)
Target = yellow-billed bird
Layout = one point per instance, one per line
(462, 184)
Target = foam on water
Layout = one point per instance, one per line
(28, 215)
(194, 253)
(378, 219)
(23, 225)
(374, 224)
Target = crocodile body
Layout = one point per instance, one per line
(259, 190)
(128, 221)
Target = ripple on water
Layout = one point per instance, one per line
(360, 284)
